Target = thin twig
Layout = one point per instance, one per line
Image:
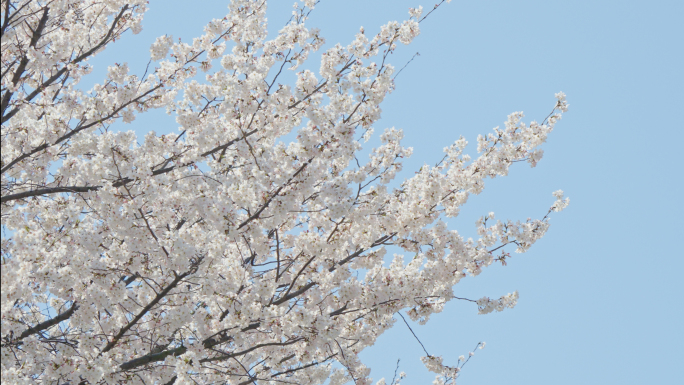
(414, 334)
(405, 65)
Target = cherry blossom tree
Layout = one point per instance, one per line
(222, 254)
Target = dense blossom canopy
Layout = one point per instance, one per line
(222, 254)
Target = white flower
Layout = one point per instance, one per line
(117, 72)
(160, 48)
(560, 203)
(416, 12)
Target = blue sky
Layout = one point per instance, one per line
(600, 295)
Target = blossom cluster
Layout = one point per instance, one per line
(486, 305)
(448, 374)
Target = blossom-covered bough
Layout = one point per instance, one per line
(222, 254)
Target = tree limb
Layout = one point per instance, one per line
(147, 308)
(49, 323)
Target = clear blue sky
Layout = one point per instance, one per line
(601, 294)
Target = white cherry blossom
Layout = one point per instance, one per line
(220, 254)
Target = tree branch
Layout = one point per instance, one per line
(155, 357)
(147, 308)
(49, 323)
(24, 60)
(59, 73)
(275, 194)
(253, 348)
(49, 190)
